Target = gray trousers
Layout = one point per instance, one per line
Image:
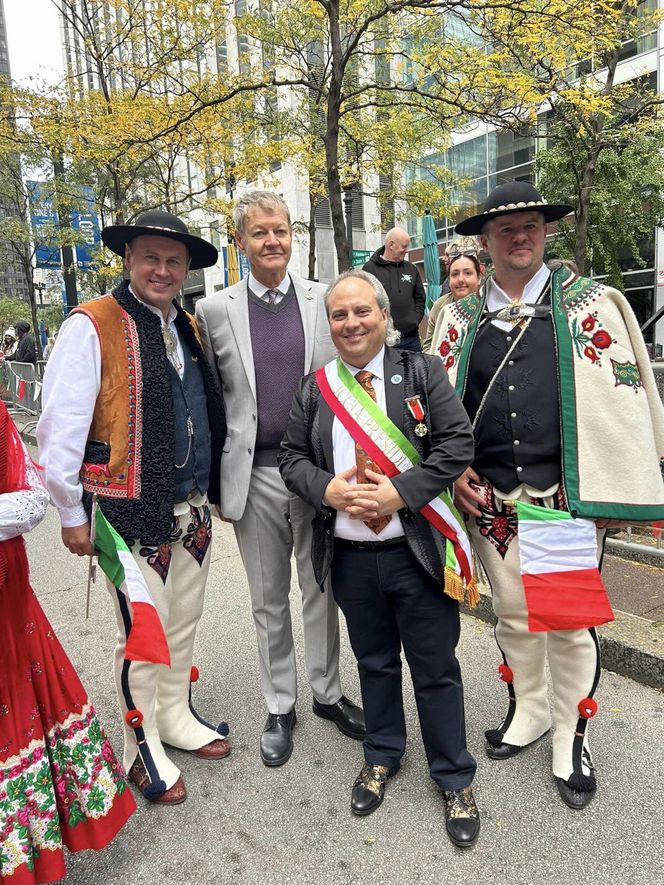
(275, 524)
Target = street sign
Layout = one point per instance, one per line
(359, 256)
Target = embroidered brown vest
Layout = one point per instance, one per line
(129, 459)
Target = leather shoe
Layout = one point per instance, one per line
(217, 749)
(574, 798)
(506, 751)
(462, 819)
(348, 717)
(369, 787)
(503, 751)
(277, 738)
(172, 796)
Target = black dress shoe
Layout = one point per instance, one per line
(348, 717)
(369, 787)
(462, 819)
(502, 751)
(277, 738)
(506, 751)
(573, 797)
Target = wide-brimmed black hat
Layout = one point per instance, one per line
(156, 223)
(508, 198)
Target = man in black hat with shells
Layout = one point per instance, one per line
(133, 420)
(554, 375)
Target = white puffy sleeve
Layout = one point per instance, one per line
(21, 511)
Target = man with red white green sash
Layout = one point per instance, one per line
(554, 375)
(374, 442)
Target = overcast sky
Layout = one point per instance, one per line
(33, 34)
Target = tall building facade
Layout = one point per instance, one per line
(13, 280)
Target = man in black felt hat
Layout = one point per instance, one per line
(554, 375)
(133, 420)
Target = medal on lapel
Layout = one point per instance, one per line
(414, 406)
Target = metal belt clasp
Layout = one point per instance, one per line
(515, 312)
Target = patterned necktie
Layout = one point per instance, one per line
(272, 295)
(363, 461)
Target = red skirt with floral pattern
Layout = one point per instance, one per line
(60, 783)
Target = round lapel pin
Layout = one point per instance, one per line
(396, 379)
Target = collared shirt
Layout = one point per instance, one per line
(260, 289)
(343, 447)
(72, 382)
(170, 324)
(497, 298)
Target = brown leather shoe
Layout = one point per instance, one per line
(214, 750)
(174, 795)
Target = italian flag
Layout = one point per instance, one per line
(563, 586)
(146, 640)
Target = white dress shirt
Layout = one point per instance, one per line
(343, 447)
(260, 289)
(496, 298)
(72, 381)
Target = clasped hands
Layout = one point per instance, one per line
(363, 501)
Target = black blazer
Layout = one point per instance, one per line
(306, 459)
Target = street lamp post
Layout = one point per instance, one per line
(40, 288)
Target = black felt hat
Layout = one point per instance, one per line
(156, 223)
(508, 198)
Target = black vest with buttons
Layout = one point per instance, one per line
(192, 429)
(517, 438)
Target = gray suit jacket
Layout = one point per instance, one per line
(223, 320)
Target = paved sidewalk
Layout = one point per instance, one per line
(244, 823)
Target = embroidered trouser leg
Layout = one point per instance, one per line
(275, 524)
(573, 654)
(495, 542)
(175, 578)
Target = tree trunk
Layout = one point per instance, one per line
(332, 140)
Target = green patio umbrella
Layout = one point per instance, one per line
(431, 259)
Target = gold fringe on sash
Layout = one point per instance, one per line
(454, 587)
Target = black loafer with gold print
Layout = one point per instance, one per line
(369, 787)
(462, 819)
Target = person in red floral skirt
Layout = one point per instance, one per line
(60, 783)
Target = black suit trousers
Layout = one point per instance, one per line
(388, 601)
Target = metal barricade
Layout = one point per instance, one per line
(20, 388)
(645, 540)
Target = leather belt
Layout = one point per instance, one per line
(371, 545)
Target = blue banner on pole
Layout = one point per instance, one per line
(86, 222)
(44, 224)
(245, 269)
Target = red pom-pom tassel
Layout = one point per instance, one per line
(193, 676)
(505, 673)
(134, 718)
(588, 708)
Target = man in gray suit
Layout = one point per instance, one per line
(263, 334)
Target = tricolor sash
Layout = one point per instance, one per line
(382, 440)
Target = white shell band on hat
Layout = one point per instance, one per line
(520, 205)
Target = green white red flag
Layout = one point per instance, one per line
(564, 589)
(146, 640)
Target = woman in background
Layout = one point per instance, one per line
(60, 783)
(465, 273)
